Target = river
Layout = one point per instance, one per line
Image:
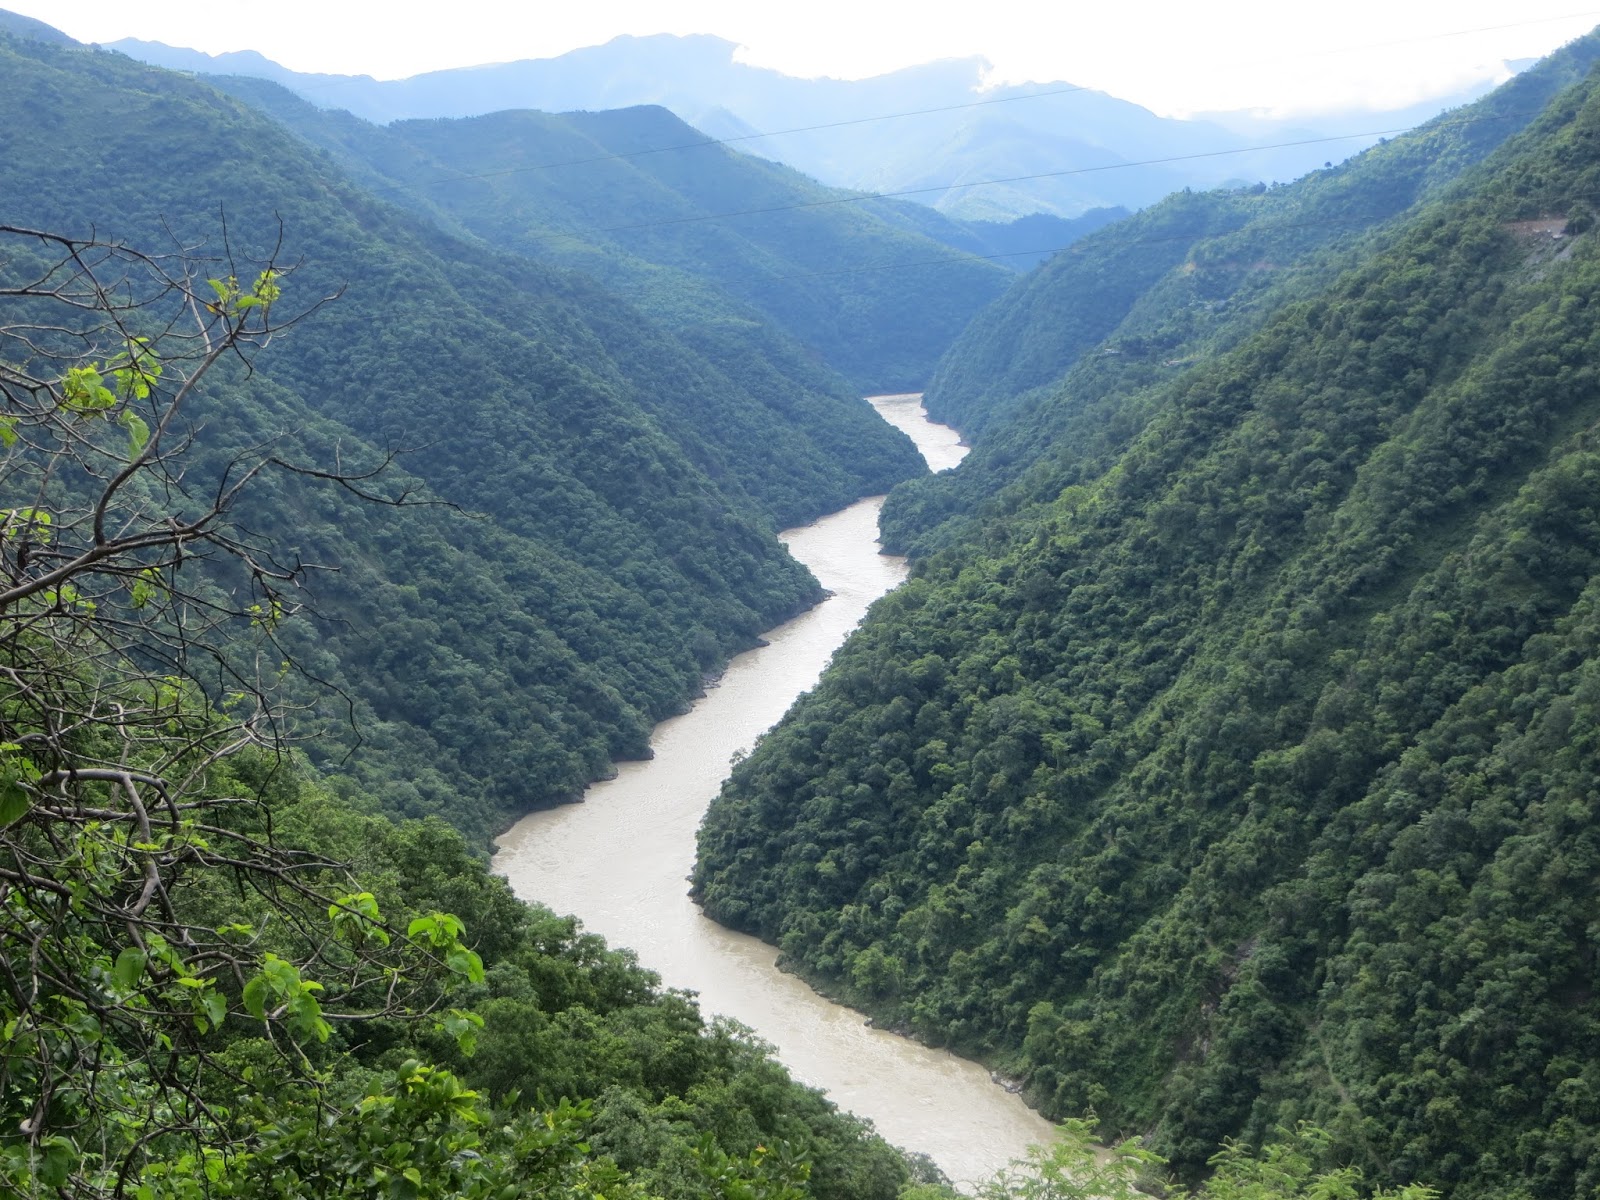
(620, 862)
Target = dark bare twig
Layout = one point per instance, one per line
(123, 683)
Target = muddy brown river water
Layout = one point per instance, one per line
(619, 861)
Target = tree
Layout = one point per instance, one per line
(1292, 1168)
(144, 903)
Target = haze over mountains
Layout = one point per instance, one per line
(577, 417)
(1231, 759)
(1084, 143)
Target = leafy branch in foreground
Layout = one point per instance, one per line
(144, 902)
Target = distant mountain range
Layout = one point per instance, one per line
(624, 461)
(946, 141)
(1232, 757)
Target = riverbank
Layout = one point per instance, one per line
(619, 861)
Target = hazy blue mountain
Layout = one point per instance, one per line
(1066, 150)
(617, 487)
(1231, 760)
(26, 27)
(727, 249)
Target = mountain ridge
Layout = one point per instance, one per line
(1231, 761)
(961, 135)
(615, 537)
(717, 243)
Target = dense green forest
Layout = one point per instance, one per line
(1229, 760)
(728, 251)
(1228, 764)
(603, 495)
(199, 424)
(1069, 356)
(193, 1003)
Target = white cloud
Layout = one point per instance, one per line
(1171, 56)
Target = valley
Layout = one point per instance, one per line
(928, 1102)
(472, 662)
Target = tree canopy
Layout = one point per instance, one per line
(1228, 760)
(192, 1002)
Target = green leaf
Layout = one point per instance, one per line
(255, 997)
(422, 929)
(463, 1026)
(438, 930)
(211, 1009)
(83, 390)
(134, 380)
(267, 288)
(357, 918)
(14, 803)
(465, 962)
(138, 431)
(129, 969)
(146, 588)
(55, 1161)
(15, 770)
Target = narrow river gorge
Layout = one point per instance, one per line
(619, 861)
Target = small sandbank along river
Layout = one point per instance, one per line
(619, 862)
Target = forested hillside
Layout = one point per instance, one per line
(1074, 354)
(724, 249)
(1240, 244)
(224, 974)
(1046, 146)
(601, 496)
(193, 1000)
(1230, 760)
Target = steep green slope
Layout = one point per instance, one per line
(1240, 242)
(259, 992)
(713, 240)
(610, 543)
(1052, 381)
(1247, 773)
(1056, 314)
(950, 124)
(668, 1088)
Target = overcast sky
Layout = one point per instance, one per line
(1175, 56)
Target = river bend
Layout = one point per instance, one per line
(620, 862)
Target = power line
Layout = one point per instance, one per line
(1361, 223)
(867, 197)
(743, 137)
(1062, 91)
(588, 235)
(1452, 33)
(1077, 247)
(325, 82)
